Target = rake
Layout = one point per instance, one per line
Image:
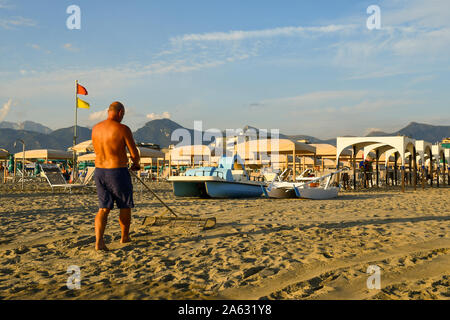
(206, 223)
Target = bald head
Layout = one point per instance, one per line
(116, 111)
(116, 106)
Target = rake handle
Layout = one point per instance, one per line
(153, 193)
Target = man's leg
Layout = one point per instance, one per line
(125, 221)
(100, 224)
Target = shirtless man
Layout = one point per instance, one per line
(113, 181)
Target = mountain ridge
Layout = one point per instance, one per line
(160, 132)
(418, 131)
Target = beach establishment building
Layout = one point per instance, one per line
(398, 151)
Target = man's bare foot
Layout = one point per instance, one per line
(125, 240)
(101, 247)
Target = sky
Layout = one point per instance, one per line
(304, 67)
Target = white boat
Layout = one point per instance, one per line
(317, 188)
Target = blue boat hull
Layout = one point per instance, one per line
(189, 189)
(218, 189)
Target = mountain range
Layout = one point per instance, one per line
(159, 131)
(418, 131)
(26, 125)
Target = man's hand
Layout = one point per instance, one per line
(135, 167)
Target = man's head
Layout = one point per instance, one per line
(116, 111)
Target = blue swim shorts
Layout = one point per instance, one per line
(114, 185)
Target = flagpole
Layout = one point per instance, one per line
(75, 131)
(76, 114)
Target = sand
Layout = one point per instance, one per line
(260, 248)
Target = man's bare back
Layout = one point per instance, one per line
(110, 139)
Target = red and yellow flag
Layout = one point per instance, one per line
(81, 90)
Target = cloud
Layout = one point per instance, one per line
(13, 22)
(265, 33)
(99, 115)
(312, 99)
(5, 4)
(70, 47)
(413, 33)
(424, 41)
(429, 14)
(154, 116)
(370, 130)
(39, 48)
(5, 109)
(421, 79)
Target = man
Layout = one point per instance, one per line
(110, 139)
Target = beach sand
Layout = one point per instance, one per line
(259, 249)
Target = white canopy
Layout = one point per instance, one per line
(4, 154)
(85, 146)
(47, 154)
(143, 153)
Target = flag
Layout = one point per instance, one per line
(82, 104)
(81, 90)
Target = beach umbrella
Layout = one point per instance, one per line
(85, 146)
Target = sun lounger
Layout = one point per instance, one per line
(56, 179)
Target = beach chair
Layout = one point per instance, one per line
(55, 178)
(165, 174)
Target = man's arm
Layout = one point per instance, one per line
(134, 153)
